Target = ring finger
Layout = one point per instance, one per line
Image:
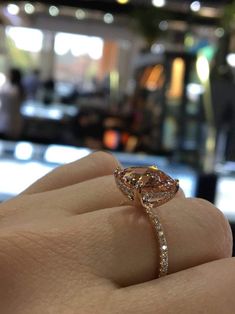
(120, 244)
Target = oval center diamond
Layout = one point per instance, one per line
(150, 184)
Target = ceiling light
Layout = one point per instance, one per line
(29, 8)
(157, 48)
(163, 25)
(108, 18)
(123, 1)
(53, 10)
(13, 9)
(195, 6)
(80, 14)
(159, 3)
(219, 32)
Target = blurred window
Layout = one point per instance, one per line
(26, 39)
(77, 57)
(24, 46)
(78, 45)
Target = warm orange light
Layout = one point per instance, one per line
(111, 139)
(145, 76)
(177, 78)
(153, 77)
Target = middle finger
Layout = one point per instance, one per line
(87, 196)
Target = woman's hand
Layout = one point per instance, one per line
(71, 243)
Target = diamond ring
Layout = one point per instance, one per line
(149, 187)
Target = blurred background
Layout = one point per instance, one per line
(151, 81)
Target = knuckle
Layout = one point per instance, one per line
(105, 159)
(218, 228)
(9, 207)
(231, 262)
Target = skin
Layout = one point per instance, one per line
(72, 243)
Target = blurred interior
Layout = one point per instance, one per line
(150, 81)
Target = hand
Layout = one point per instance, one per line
(71, 243)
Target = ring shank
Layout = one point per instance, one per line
(163, 248)
(149, 187)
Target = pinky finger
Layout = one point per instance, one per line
(208, 288)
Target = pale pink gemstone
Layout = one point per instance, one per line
(154, 186)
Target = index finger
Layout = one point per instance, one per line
(97, 164)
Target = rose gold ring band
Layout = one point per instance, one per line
(149, 187)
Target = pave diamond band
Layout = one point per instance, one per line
(163, 248)
(150, 188)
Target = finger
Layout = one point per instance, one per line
(208, 288)
(87, 196)
(119, 243)
(95, 165)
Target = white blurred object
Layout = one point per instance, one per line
(23, 151)
(29, 8)
(80, 14)
(13, 9)
(27, 39)
(64, 154)
(17, 176)
(195, 6)
(203, 68)
(187, 184)
(79, 45)
(2, 79)
(231, 59)
(194, 90)
(225, 196)
(53, 10)
(54, 112)
(108, 18)
(158, 3)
